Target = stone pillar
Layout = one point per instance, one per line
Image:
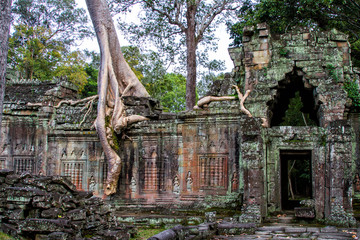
(339, 174)
(251, 145)
(42, 130)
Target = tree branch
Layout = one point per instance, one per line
(209, 17)
(242, 100)
(73, 102)
(209, 99)
(167, 15)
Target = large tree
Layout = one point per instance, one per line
(174, 24)
(5, 19)
(115, 79)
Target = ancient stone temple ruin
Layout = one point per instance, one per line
(215, 156)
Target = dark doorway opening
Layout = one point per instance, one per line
(294, 103)
(296, 183)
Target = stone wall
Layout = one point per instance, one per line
(268, 64)
(216, 156)
(33, 207)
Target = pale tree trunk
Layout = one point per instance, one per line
(5, 19)
(115, 79)
(191, 44)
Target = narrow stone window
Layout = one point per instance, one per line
(23, 164)
(2, 163)
(213, 171)
(75, 171)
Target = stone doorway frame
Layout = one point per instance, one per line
(285, 156)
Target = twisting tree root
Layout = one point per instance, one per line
(116, 79)
(208, 99)
(242, 100)
(88, 105)
(75, 102)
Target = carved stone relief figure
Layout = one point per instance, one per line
(133, 185)
(189, 182)
(92, 184)
(176, 185)
(234, 182)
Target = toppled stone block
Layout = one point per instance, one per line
(52, 213)
(76, 214)
(44, 225)
(41, 202)
(164, 235)
(114, 235)
(58, 236)
(17, 214)
(304, 212)
(11, 179)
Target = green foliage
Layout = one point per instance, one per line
(333, 72)
(208, 77)
(352, 89)
(300, 176)
(165, 25)
(133, 57)
(90, 87)
(67, 22)
(283, 52)
(145, 233)
(170, 90)
(4, 236)
(73, 67)
(283, 15)
(92, 71)
(350, 86)
(44, 32)
(33, 53)
(355, 53)
(294, 116)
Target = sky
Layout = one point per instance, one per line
(221, 34)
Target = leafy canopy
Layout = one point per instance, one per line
(42, 37)
(282, 15)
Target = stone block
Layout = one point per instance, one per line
(329, 229)
(285, 37)
(306, 36)
(304, 212)
(295, 229)
(58, 236)
(248, 31)
(264, 33)
(44, 225)
(76, 214)
(321, 40)
(11, 179)
(17, 214)
(338, 37)
(261, 57)
(10, 229)
(52, 213)
(262, 26)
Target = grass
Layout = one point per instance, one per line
(145, 233)
(4, 236)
